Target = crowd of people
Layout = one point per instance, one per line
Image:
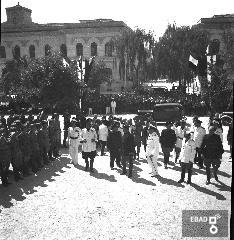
(131, 102)
(27, 143)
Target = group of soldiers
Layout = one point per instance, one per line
(27, 144)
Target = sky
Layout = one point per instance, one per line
(151, 15)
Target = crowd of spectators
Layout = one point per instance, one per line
(131, 102)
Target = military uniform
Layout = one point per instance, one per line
(44, 144)
(17, 158)
(5, 156)
(24, 141)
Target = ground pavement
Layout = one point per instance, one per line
(65, 202)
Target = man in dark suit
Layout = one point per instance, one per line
(212, 150)
(128, 150)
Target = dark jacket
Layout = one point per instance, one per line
(212, 147)
(168, 138)
(114, 141)
(128, 144)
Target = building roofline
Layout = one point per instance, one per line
(35, 27)
(17, 7)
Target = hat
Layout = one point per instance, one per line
(152, 127)
(169, 124)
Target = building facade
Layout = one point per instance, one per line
(218, 26)
(87, 38)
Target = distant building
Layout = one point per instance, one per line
(86, 38)
(217, 26)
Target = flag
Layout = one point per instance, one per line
(193, 60)
(88, 67)
(65, 64)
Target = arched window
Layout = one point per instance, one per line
(32, 51)
(109, 48)
(79, 49)
(47, 50)
(16, 51)
(93, 49)
(63, 50)
(2, 52)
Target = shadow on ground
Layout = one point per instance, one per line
(18, 190)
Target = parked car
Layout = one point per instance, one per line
(164, 112)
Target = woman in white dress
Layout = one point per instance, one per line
(152, 150)
(74, 141)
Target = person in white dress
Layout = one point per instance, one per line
(180, 132)
(74, 134)
(152, 150)
(113, 106)
(102, 135)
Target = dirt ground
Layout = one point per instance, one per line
(65, 202)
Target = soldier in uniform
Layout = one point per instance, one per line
(66, 117)
(17, 158)
(46, 141)
(25, 148)
(5, 155)
(57, 134)
(43, 143)
(35, 156)
(52, 137)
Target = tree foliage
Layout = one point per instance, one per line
(46, 79)
(172, 50)
(133, 48)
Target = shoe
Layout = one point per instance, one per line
(123, 173)
(86, 169)
(118, 165)
(129, 176)
(207, 182)
(165, 166)
(112, 168)
(155, 175)
(216, 178)
(181, 181)
(188, 182)
(91, 170)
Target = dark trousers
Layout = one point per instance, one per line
(198, 158)
(166, 152)
(3, 174)
(103, 145)
(115, 156)
(184, 167)
(65, 137)
(87, 163)
(177, 151)
(125, 159)
(215, 164)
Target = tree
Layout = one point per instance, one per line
(171, 52)
(46, 79)
(99, 74)
(133, 48)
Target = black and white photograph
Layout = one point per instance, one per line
(116, 119)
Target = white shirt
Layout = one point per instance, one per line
(113, 104)
(188, 151)
(180, 135)
(74, 133)
(103, 132)
(152, 147)
(89, 146)
(199, 134)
